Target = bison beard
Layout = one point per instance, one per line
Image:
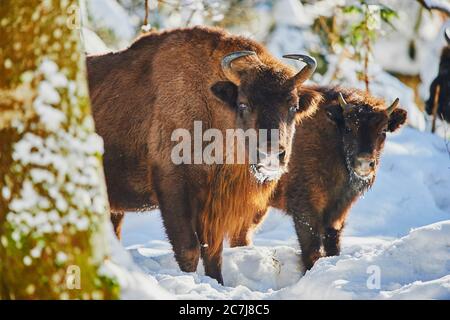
(166, 81)
(321, 184)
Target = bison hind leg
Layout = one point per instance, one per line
(117, 221)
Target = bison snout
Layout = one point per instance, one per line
(364, 165)
(277, 158)
(271, 165)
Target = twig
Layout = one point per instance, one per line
(366, 64)
(188, 21)
(146, 13)
(435, 108)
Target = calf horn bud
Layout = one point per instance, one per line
(342, 102)
(231, 74)
(307, 70)
(392, 107)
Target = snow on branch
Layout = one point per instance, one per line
(440, 5)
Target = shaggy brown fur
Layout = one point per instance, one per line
(166, 81)
(321, 184)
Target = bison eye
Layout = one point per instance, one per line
(348, 129)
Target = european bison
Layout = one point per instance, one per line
(441, 85)
(335, 156)
(168, 80)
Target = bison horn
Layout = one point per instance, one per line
(447, 35)
(307, 71)
(342, 102)
(392, 107)
(226, 64)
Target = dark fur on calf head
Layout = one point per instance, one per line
(363, 125)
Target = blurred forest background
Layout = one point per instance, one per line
(389, 47)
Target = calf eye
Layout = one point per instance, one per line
(348, 130)
(293, 109)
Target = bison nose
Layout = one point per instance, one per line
(272, 157)
(364, 164)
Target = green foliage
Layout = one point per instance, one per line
(355, 28)
(362, 23)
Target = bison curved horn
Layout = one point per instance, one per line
(447, 35)
(342, 102)
(307, 71)
(226, 64)
(392, 107)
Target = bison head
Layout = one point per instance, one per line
(363, 130)
(266, 98)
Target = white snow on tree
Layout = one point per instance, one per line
(53, 204)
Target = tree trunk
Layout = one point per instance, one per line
(53, 204)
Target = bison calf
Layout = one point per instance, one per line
(335, 156)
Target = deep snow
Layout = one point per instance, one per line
(400, 228)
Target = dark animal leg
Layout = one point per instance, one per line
(431, 100)
(332, 241)
(177, 222)
(308, 231)
(117, 221)
(212, 261)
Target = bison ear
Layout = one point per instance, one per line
(396, 119)
(226, 91)
(309, 101)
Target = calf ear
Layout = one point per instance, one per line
(309, 101)
(226, 91)
(396, 119)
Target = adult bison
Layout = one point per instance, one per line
(335, 156)
(166, 81)
(440, 87)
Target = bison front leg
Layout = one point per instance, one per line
(334, 222)
(332, 242)
(212, 261)
(175, 212)
(307, 226)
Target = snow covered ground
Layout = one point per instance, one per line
(396, 244)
